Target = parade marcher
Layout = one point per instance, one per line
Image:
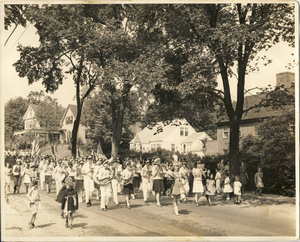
(158, 180)
(127, 177)
(71, 170)
(168, 180)
(59, 176)
(243, 176)
(210, 188)
(34, 200)
(41, 170)
(116, 179)
(176, 189)
(68, 197)
(258, 181)
(218, 181)
(22, 173)
(16, 175)
(198, 188)
(146, 180)
(97, 167)
(136, 180)
(227, 186)
(105, 175)
(79, 181)
(8, 178)
(27, 179)
(49, 168)
(185, 181)
(87, 171)
(237, 185)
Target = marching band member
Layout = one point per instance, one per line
(71, 171)
(177, 187)
(49, 168)
(198, 185)
(186, 187)
(105, 174)
(79, 181)
(136, 180)
(169, 180)
(158, 180)
(8, 178)
(97, 167)
(16, 175)
(59, 176)
(146, 180)
(41, 169)
(115, 182)
(87, 170)
(128, 184)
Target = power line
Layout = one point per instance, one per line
(18, 39)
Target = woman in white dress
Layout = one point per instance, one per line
(185, 181)
(198, 185)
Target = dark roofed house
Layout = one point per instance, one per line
(250, 120)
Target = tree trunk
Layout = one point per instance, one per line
(234, 147)
(75, 131)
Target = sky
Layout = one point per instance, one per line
(14, 86)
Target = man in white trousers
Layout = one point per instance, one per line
(116, 168)
(88, 182)
(105, 174)
(146, 180)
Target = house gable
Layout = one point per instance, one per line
(71, 110)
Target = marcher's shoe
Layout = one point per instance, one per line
(66, 225)
(260, 195)
(197, 204)
(117, 204)
(71, 226)
(128, 206)
(106, 207)
(30, 225)
(158, 205)
(62, 215)
(88, 205)
(33, 225)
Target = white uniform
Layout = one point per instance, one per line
(115, 185)
(105, 190)
(57, 174)
(146, 181)
(88, 181)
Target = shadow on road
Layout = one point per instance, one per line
(18, 228)
(80, 225)
(45, 225)
(184, 211)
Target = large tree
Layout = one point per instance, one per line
(232, 35)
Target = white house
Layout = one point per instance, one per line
(169, 137)
(195, 143)
(67, 122)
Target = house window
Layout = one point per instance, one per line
(225, 151)
(69, 120)
(152, 147)
(186, 133)
(173, 147)
(184, 148)
(181, 131)
(225, 132)
(158, 146)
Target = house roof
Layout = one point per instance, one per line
(166, 130)
(33, 106)
(193, 137)
(73, 109)
(256, 113)
(143, 136)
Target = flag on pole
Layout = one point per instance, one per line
(35, 148)
(99, 153)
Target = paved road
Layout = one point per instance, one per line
(252, 218)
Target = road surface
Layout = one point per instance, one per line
(254, 217)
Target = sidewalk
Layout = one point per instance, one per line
(268, 199)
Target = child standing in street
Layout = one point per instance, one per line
(227, 187)
(237, 185)
(34, 200)
(258, 181)
(210, 186)
(218, 181)
(27, 179)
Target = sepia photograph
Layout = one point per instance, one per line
(149, 121)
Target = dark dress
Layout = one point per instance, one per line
(69, 198)
(243, 177)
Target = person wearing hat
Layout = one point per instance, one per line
(198, 188)
(105, 175)
(16, 175)
(186, 173)
(127, 177)
(116, 169)
(58, 176)
(158, 180)
(97, 167)
(34, 200)
(146, 180)
(177, 187)
(169, 180)
(79, 181)
(49, 168)
(41, 170)
(68, 198)
(87, 171)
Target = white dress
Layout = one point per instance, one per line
(197, 184)
(237, 188)
(227, 186)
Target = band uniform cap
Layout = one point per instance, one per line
(89, 157)
(147, 161)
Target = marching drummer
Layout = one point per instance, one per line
(105, 175)
(87, 171)
(59, 176)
